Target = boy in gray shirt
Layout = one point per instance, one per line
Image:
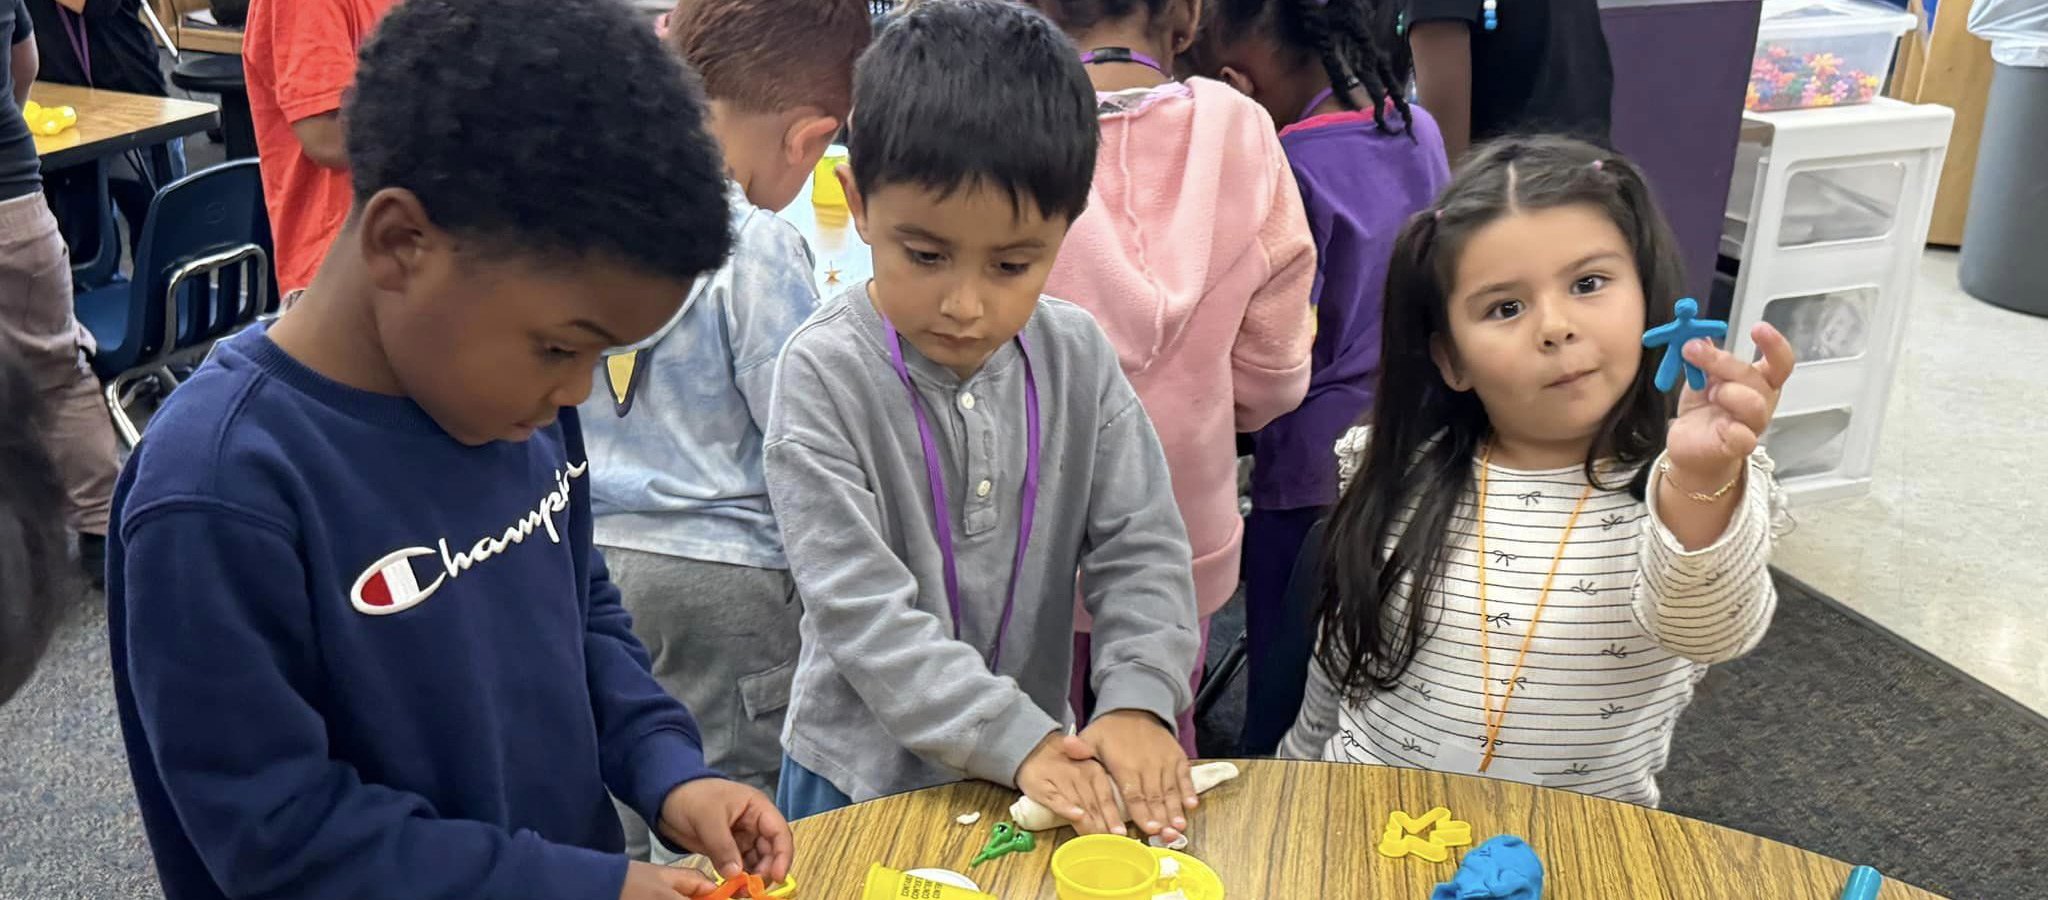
(948, 451)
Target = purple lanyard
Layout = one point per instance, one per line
(1123, 55)
(942, 520)
(1315, 101)
(80, 44)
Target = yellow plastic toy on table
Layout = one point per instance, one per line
(1108, 867)
(48, 121)
(1404, 835)
(884, 883)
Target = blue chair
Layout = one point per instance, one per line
(202, 272)
(83, 200)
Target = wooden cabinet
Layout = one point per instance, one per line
(1952, 67)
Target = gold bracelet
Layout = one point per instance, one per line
(1664, 466)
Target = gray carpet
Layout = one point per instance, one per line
(69, 829)
(1834, 735)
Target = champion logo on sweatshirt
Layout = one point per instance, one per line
(391, 584)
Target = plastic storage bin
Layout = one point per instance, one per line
(1823, 52)
(1827, 217)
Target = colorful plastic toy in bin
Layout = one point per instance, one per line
(1108, 867)
(1822, 53)
(48, 120)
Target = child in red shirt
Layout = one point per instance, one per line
(299, 57)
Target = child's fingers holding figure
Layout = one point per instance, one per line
(773, 850)
(1743, 403)
(1738, 440)
(647, 881)
(1707, 444)
(1779, 357)
(1724, 367)
(713, 816)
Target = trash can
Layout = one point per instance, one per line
(2007, 227)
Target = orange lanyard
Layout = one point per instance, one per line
(1494, 718)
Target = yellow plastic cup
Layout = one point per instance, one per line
(885, 883)
(1106, 867)
(826, 191)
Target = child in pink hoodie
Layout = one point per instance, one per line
(1330, 72)
(1195, 257)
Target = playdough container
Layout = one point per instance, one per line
(826, 191)
(1823, 52)
(885, 883)
(1107, 867)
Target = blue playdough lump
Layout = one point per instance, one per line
(1503, 868)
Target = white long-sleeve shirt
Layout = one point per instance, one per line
(1632, 621)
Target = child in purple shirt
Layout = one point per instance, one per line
(1366, 161)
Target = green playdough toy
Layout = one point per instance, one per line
(1006, 839)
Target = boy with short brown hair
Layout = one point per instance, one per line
(675, 440)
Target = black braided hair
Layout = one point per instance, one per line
(1353, 40)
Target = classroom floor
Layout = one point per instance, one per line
(1943, 549)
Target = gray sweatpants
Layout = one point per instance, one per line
(724, 642)
(36, 322)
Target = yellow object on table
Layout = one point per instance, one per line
(1292, 830)
(884, 883)
(1109, 867)
(1404, 835)
(49, 120)
(826, 191)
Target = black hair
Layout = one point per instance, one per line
(975, 91)
(1425, 435)
(34, 571)
(1353, 40)
(1078, 15)
(557, 129)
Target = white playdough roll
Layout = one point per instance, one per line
(1031, 815)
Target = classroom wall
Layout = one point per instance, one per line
(1680, 70)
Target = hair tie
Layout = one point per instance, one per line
(1439, 215)
(1599, 165)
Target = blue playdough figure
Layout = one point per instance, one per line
(1503, 868)
(1674, 336)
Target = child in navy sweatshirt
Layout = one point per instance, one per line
(362, 644)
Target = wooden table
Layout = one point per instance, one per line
(1288, 830)
(198, 36)
(111, 122)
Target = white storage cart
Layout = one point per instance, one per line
(1828, 216)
